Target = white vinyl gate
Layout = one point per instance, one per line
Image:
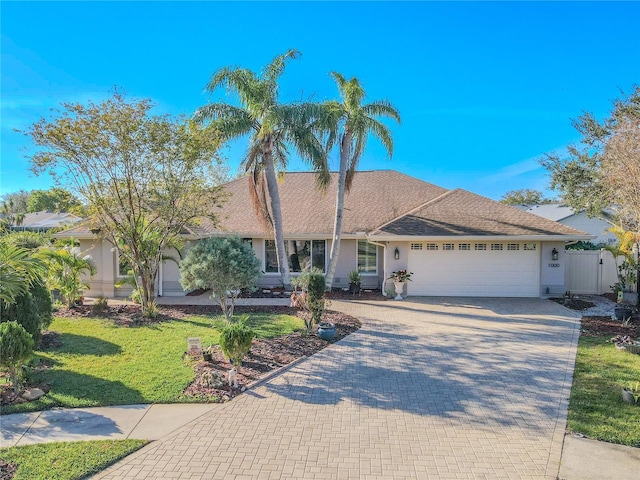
(589, 272)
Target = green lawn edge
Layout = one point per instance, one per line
(67, 460)
(103, 364)
(596, 409)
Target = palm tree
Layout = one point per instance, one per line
(19, 270)
(271, 126)
(350, 122)
(65, 268)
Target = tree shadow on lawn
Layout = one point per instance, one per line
(70, 389)
(85, 345)
(505, 377)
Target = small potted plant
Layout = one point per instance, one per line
(354, 282)
(631, 393)
(399, 278)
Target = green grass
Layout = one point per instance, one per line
(595, 406)
(100, 363)
(67, 460)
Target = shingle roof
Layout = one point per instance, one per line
(376, 197)
(462, 213)
(385, 203)
(47, 219)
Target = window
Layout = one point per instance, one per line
(448, 246)
(124, 269)
(464, 246)
(367, 258)
(432, 246)
(480, 246)
(530, 246)
(496, 246)
(301, 255)
(513, 246)
(416, 246)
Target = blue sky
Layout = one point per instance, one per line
(484, 89)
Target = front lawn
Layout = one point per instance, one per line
(67, 460)
(595, 407)
(100, 363)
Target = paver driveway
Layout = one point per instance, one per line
(428, 388)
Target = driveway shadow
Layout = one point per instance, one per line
(509, 372)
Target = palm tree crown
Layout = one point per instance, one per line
(272, 126)
(349, 123)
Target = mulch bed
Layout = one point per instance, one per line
(7, 470)
(606, 327)
(573, 303)
(265, 356)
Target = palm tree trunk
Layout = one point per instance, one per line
(345, 149)
(276, 212)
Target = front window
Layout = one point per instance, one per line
(301, 255)
(124, 269)
(367, 258)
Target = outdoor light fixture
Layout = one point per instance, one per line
(396, 254)
(554, 254)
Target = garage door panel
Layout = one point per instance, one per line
(474, 273)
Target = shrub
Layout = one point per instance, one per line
(100, 306)
(315, 298)
(42, 300)
(225, 265)
(235, 341)
(16, 347)
(25, 312)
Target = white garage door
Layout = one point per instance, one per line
(476, 269)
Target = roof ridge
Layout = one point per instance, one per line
(419, 207)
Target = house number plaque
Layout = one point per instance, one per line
(554, 265)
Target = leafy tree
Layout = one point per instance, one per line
(524, 196)
(15, 203)
(16, 347)
(55, 200)
(350, 122)
(145, 177)
(271, 126)
(65, 267)
(19, 270)
(604, 169)
(223, 264)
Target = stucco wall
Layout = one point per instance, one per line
(552, 271)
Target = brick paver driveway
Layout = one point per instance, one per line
(428, 388)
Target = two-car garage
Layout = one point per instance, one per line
(474, 268)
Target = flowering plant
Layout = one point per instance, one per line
(401, 276)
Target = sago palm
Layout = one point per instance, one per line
(349, 123)
(272, 127)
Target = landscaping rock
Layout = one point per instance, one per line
(33, 394)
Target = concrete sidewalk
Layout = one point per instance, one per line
(143, 422)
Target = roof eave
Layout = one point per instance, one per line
(458, 238)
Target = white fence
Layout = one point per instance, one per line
(589, 272)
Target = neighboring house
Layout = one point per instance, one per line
(455, 242)
(44, 221)
(561, 213)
